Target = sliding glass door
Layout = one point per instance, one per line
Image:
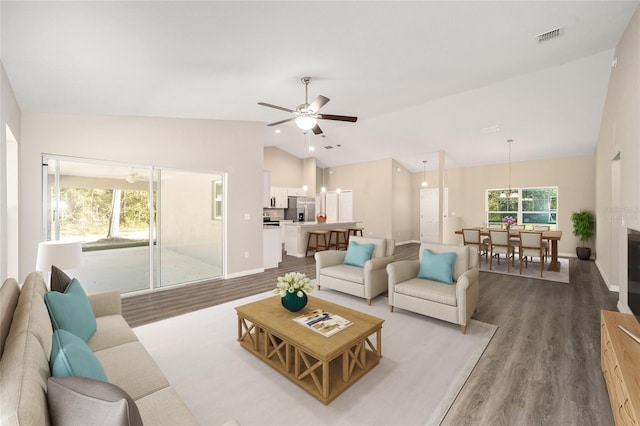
(189, 245)
(141, 227)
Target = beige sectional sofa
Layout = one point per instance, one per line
(25, 348)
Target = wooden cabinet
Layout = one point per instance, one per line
(620, 363)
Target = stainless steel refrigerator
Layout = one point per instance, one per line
(300, 209)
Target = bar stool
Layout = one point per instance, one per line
(317, 246)
(355, 231)
(341, 234)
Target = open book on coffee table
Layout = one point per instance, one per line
(323, 322)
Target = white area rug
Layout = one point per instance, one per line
(425, 364)
(533, 271)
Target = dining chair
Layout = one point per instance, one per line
(499, 244)
(545, 243)
(471, 237)
(531, 246)
(515, 241)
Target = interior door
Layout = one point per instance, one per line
(429, 215)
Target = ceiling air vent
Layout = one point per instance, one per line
(328, 147)
(549, 35)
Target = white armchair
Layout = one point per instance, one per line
(449, 302)
(366, 282)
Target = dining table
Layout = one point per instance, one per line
(551, 236)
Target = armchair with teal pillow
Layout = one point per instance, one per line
(360, 270)
(442, 283)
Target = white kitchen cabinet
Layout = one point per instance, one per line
(271, 247)
(339, 206)
(296, 192)
(280, 194)
(266, 188)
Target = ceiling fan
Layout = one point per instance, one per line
(306, 115)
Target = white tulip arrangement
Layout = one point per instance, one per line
(293, 282)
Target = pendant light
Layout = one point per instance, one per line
(511, 193)
(424, 174)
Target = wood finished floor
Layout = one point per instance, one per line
(542, 367)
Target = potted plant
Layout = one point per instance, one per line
(583, 227)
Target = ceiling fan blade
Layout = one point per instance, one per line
(275, 106)
(318, 103)
(338, 117)
(281, 121)
(316, 130)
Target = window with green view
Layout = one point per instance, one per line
(529, 206)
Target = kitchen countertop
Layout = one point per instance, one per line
(304, 224)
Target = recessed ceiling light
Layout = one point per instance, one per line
(277, 131)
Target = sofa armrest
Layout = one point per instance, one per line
(105, 303)
(377, 263)
(402, 270)
(329, 258)
(467, 294)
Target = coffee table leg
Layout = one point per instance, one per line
(325, 379)
(379, 341)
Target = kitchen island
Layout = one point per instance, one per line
(296, 234)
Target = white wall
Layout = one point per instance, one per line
(620, 133)
(10, 115)
(231, 147)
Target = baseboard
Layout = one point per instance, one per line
(244, 273)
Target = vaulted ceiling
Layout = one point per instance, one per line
(462, 77)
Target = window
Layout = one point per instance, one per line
(529, 206)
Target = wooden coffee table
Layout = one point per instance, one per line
(323, 366)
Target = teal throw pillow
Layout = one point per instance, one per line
(437, 266)
(71, 311)
(71, 356)
(358, 254)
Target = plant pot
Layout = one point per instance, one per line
(583, 253)
(294, 303)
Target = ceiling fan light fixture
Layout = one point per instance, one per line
(306, 122)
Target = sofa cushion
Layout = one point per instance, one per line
(24, 370)
(130, 367)
(31, 315)
(59, 280)
(83, 401)
(9, 294)
(165, 407)
(70, 356)
(71, 311)
(112, 330)
(437, 266)
(428, 290)
(344, 272)
(358, 254)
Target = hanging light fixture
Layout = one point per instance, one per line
(511, 193)
(424, 174)
(324, 188)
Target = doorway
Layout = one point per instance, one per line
(141, 227)
(430, 214)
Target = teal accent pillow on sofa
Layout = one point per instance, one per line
(71, 311)
(71, 356)
(437, 266)
(358, 254)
